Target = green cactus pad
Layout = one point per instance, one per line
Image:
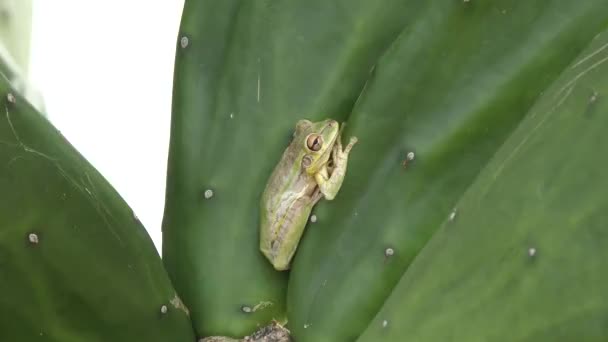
(245, 73)
(525, 257)
(75, 263)
(441, 101)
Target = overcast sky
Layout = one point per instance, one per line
(105, 70)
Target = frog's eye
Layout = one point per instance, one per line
(314, 142)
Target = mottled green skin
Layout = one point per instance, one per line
(292, 191)
(525, 257)
(451, 89)
(249, 71)
(75, 263)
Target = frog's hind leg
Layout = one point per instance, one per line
(316, 196)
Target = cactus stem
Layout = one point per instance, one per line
(273, 332)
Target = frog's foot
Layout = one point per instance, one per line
(351, 143)
(330, 182)
(338, 155)
(316, 196)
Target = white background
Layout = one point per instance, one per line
(105, 69)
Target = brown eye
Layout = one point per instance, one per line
(314, 142)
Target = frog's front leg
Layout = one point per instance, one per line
(328, 184)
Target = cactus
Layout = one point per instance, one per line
(419, 150)
(454, 108)
(471, 210)
(524, 259)
(75, 263)
(245, 72)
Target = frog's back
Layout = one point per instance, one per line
(285, 179)
(285, 207)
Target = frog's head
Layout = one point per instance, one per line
(317, 140)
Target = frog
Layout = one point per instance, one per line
(312, 167)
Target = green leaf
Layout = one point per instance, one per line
(245, 73)
(75, 263)
(450, 90)
(524, 259)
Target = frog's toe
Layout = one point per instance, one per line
(350, 145)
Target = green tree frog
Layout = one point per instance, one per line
(312, 167)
